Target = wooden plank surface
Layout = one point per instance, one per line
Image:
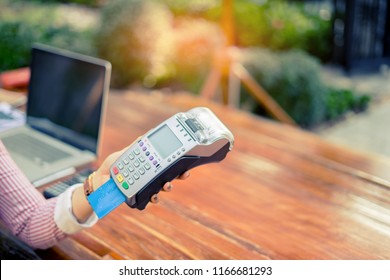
(282, 193)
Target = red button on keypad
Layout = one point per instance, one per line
(115, 170)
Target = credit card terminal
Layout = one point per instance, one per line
(182, 142)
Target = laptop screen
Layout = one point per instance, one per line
(66, 96)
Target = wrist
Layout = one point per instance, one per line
(89, 184)
(99, 178)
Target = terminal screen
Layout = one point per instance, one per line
(164, 141)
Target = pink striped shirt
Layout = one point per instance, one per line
(23, 208)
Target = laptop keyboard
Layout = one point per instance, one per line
(59, 187)
(32, 148)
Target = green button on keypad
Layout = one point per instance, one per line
(125, 185)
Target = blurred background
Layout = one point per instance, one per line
(324, 62)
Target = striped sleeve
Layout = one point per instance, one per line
(23, 208)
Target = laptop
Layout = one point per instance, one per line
(64, 114)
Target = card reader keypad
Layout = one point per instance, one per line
(143, 161)
(132, 166)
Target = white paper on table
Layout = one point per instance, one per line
(10, 117)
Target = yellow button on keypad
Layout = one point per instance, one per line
(119, 177)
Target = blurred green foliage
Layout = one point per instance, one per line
(293, 79)
(276, 24)
(92, 3)
(159, 43)
(282, 25)
(194, 8)
(133, 36)
(23, 23)
(341, 101)
(149, 45)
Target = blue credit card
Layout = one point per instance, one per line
(106, 198)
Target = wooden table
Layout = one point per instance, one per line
(282, 193)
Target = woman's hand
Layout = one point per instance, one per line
(102, 175)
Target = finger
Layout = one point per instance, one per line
(184, 176)
(154, 198)
(167, 187)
